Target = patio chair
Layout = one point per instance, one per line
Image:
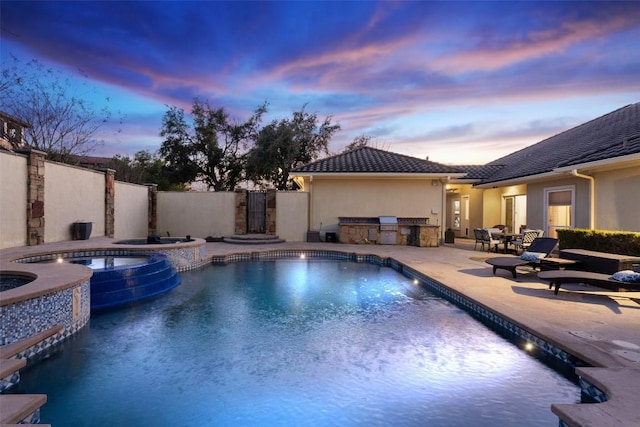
(481, 238)
(490, 237)
(541, 247)
(525, 241)
(621, 281)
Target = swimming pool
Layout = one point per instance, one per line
(294, 342)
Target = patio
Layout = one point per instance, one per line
(597, 326)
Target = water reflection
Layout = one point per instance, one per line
(295, 342)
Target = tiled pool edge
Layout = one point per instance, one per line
(71, 306)
(588, 390)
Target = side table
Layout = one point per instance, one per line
(551, 263)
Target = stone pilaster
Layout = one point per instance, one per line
(241, 212)
(270, 213)
(152, 213)
(35, 197)
(109, 202)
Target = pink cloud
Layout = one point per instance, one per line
(536, 45)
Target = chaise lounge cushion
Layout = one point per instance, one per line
(628, 276)
(532, 256)
(540, 247)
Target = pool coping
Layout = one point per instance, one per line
(620, 407)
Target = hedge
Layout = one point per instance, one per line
(615, 242)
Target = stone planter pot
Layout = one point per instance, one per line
(81, 230)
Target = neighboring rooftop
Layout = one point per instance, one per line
(12, 132)
(374, 160)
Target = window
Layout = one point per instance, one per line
(456, 214)
(559, 209)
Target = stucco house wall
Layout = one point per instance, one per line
(292, 215)
(372, 197)
(536, 201)
(475, 206)
(491, 207)
(617, 196)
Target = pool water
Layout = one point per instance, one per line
(103, 262)
(294, 343)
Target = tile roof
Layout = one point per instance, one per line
(612, 135)
(479, 172)
(373, 160)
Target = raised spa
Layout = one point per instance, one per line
(11, 280)
(120, 280)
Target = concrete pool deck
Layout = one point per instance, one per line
(599, 327)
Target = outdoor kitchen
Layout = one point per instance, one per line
(389, 230)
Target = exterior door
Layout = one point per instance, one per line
(456, 215)
(559, 209)
(515, 212)
(464, 227)
(256, 212)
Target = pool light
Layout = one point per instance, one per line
(302, 256)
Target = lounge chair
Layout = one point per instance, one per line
(558, 277)
(541, 247)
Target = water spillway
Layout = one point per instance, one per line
(111, 287)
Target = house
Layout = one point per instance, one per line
(585, 177)
(349, 192)
(12, 132)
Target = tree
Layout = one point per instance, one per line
(144, 168)
(365, 141)
(358, 142)
(214, 151)
(64, 123)
(286, 144)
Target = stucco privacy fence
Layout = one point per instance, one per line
(41, 200)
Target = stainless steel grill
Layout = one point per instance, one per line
(388, 230)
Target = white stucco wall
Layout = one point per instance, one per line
(13, 200)
(372, 197)
(131, 207)
(292, 215)
(72, 194)
(198, 214)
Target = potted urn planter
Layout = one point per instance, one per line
(81, 230)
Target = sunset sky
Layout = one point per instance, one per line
(459, 82)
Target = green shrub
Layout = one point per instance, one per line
(614, 242)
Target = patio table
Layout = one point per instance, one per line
(506, 239)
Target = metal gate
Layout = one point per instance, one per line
(256, 212)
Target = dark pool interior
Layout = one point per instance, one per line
(294, 343)
(12, 281)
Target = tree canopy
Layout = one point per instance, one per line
(285, 144)
(144, 168)
(213, 150)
